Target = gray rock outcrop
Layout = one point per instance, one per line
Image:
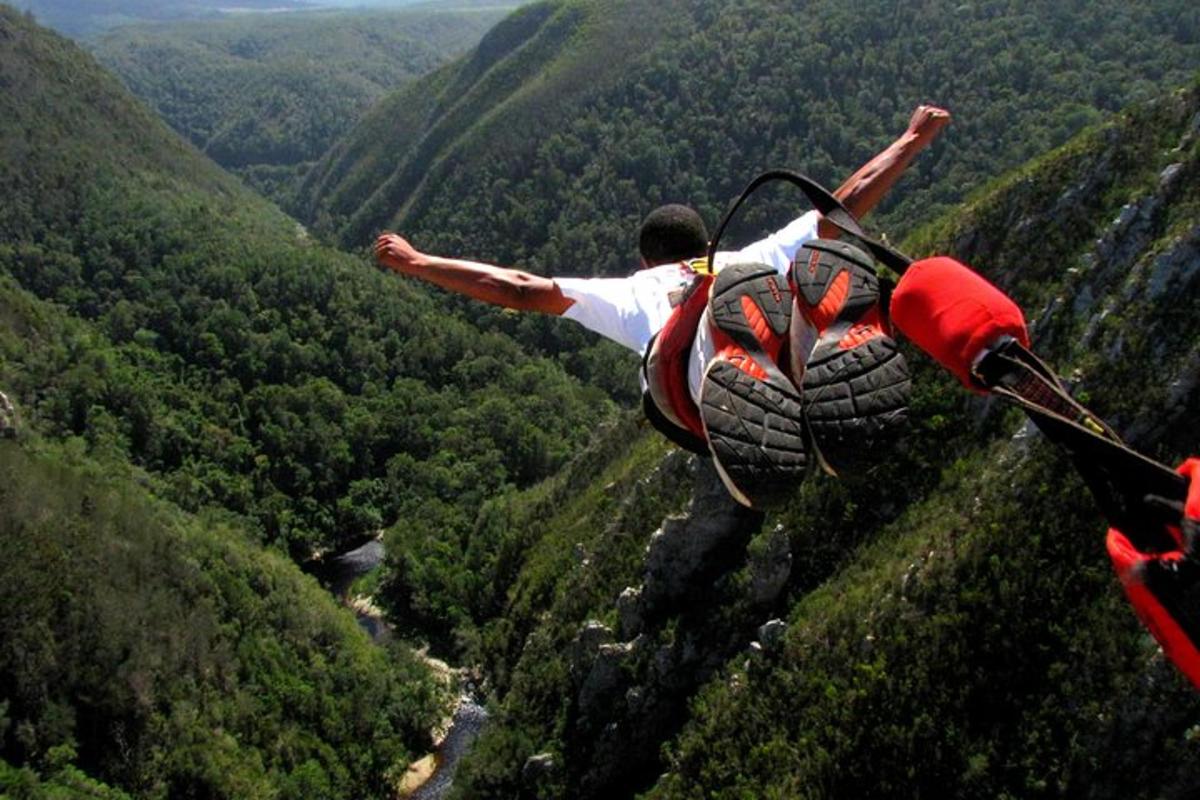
(8, 418)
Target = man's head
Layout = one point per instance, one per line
(672, 233)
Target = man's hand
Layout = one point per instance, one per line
(866, 187)
(927, 122)
(395, 253)
(502, 286)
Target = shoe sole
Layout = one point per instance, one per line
(855, 400)
(755, 433)
(749, 303)
(856, 382)
(837, 282)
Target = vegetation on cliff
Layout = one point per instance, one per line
(950, 622)
(574, 117)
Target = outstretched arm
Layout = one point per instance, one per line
(500, 286)
(863, 190)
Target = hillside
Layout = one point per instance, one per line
(196, 379)
(265, 95)
(165, 656)
(240, 364)
(550, 142)
(981, 643)
(947, 624)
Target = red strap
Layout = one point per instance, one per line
(1158, 587)
(1190, 469)
(674, 344)
(953, 314)
(1131, 565)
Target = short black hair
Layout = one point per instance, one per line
(672, 233)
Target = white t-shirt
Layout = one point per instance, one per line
(631, 310)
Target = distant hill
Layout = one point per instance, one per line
(83, 17)
(265, 94)
(572, 118)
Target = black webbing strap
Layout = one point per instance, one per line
(823, 201)
(1129, 487)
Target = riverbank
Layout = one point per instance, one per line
(429, 777)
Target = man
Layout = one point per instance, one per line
(739, 380)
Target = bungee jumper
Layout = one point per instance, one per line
(770, 358)
(976, 332)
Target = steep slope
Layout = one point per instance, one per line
(946, 624)
(982, 646)
(519, 83)
(159, 653)
(241, 365)
(166, 656)
(266, 94)
(576, 116)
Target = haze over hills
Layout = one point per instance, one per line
(84, 18)
(265, 95)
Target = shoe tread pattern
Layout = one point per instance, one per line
(755, 432)
(814, 278)
(856, 400)
(754, 280)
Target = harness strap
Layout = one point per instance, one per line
(1129, 487)
(665, 364)
(829, 206)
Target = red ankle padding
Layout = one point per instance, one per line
(953, 314)
(675, 343)
(1131, 564)
(1167, 608)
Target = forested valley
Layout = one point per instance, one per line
(211, 392)
(265, 97)
(167, 333)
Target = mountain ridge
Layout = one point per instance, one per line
(726, 90)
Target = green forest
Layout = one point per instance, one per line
(175, 658)
(214, 395)
(247, 366)
(571, 120)
(266, 96)
(178, 336)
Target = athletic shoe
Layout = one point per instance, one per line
(855, 380)
(752, 412)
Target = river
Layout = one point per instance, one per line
(339, 572)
